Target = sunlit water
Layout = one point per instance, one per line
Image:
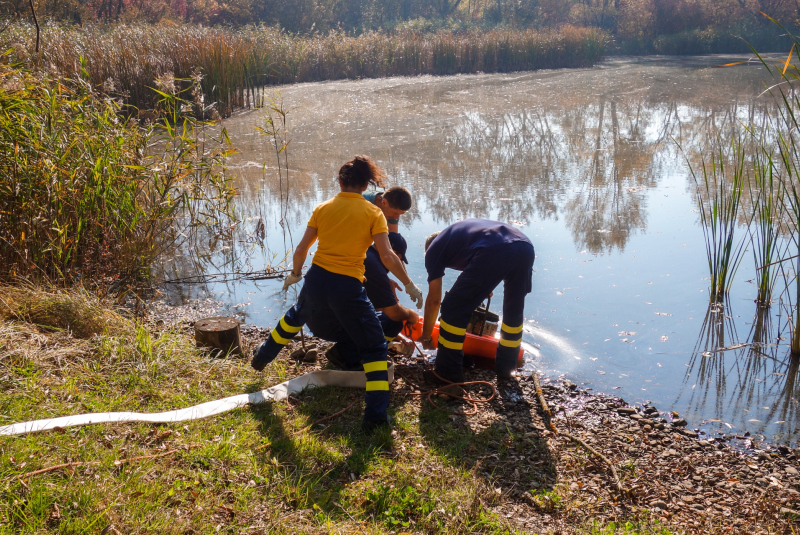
(591, 165)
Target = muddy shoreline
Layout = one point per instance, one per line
(673, 474)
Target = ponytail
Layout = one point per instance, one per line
(360, 172)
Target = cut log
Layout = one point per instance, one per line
(220, 333)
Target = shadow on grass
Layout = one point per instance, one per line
(502, 442)
(319, 462)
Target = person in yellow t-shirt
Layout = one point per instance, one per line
(345, 227)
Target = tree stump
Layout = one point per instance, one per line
(220, 333)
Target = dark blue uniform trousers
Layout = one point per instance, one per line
(329, 328)
(336, 308)
(509, 263)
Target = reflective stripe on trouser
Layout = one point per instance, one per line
(288, 326)
(336, 308)
(390, 327)
(510, 263)
(450, 355)
(377, 395)
(508, 346)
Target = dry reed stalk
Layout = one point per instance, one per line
(236, 62)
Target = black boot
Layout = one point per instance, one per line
(370, 426)
(338, 360)
(261, 357)
(441, 382)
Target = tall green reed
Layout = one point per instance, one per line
(784, 134)
(719, 196)
(86, 196)
(237, 62)
(766, 234)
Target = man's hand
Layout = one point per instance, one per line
(413, 317)
(395, 287)
(414, 293)
(428, 344)
(290, 279)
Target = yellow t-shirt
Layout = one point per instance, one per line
(345, 227)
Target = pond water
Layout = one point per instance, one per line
(592, 165)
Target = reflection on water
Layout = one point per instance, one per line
(752, 380)
(592, 165)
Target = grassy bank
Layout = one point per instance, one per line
(242, 472)
(258, 470)
(235, 62)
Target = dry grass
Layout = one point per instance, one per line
(236, 63)
(74, 310)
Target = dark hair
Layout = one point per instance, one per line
(430, 239)
(398, 197)
(360, 172)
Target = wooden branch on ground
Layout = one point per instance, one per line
(538, 385)
(617, 484)
(117, 462)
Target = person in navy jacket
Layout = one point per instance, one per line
(486, 253)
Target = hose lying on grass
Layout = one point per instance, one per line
(275, 393)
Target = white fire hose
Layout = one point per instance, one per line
(204, 410)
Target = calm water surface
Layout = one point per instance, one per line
(591, 165)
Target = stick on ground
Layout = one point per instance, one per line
(117, 462)
(549, 415)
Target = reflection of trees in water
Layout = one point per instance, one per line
(592, 162)
(587, 154)
(738, 380)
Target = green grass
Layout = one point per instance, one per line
(243, 472)
(644, 527)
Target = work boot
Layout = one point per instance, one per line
(503, 369)
(335, 356)
(370, 426)
(261, 357)
(439, 378)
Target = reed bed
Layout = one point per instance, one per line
(86, 196)
(766, 232)
(722, 187)
(237, 62)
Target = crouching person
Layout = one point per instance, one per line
(487, 253)
(345, 226)
(381, 293)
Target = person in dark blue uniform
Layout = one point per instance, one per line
(487, 253)
(381, 293)
(345, 227)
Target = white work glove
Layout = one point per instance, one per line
(290, 279)
(414, 293)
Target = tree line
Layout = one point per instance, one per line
(627, 20)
